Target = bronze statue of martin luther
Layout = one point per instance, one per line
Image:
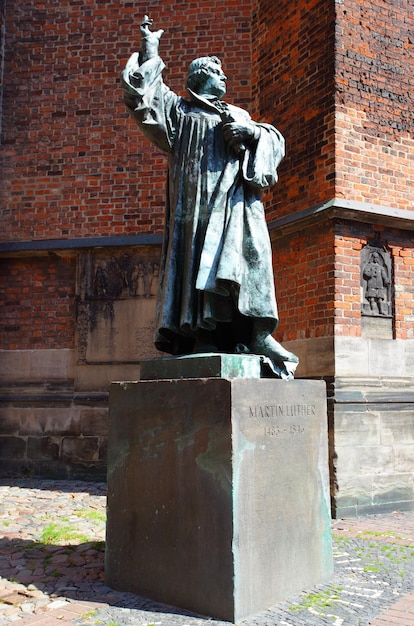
(216, 278)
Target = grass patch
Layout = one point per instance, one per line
(55, 535)
(386, 533)
(338, 539)
(319, 600)
(372, 568)
(385, 558)
(89, 614)
(98, 516)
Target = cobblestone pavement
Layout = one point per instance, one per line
(52, 558)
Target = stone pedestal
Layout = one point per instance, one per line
(218, 492)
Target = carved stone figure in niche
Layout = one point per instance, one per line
(100, 284)
(153, 282)
(124, 277)
(139, 280)
(216, 276)
(108, 281)
(376, 281)
(126, 271)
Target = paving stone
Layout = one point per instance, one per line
(373, 581)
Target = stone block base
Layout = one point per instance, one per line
(218, 492)
(49, 428)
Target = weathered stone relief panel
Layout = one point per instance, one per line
(116, 296)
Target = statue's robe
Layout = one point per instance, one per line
(216, 255)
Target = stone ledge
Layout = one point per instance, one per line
(59, 394)
(374, 390)
(20, 366)
(341, 208)
(23, 248)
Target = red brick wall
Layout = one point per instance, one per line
(403, 256)
(318, 283)
(369, 158)
(74, 164)
(375, 122)
(347, 282)
(293, 88)
(2, 48)
(305, 283)
(374, 146)
(37, 303)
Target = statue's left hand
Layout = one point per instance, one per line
(236, 133)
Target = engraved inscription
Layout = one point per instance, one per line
(274, 431)
(282, 410)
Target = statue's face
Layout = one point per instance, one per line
(215, 84)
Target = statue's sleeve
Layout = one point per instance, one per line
(151, 103)
(261, 160)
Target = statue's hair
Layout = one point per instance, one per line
(198, 72)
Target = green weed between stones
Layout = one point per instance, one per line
(55, 535)
(89, 614)
(390, 555)
(98, 516)
(340, 542)
(386, 533)
(376, 557)
(319, 600)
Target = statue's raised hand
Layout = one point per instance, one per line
(149, 40)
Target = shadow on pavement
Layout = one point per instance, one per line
(64, 486)
(75, 572)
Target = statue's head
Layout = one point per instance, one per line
(375, 258)
(205, 76)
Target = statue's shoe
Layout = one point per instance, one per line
(266, 345)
